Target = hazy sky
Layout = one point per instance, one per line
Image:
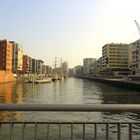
(69, 29)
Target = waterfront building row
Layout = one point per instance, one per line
(31, 65)
(12, 59)
(136, 57)
(117, 60)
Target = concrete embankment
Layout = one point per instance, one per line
(133, 85)
(6, 76)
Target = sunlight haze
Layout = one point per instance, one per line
(69, 29)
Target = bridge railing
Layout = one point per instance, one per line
(61, 130)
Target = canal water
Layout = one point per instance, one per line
(68, 91)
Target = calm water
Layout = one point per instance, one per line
(69, 91)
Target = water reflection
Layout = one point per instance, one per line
(69, 91)
(20, 92)
(11, 93)
(118, 95)
(112, 95)
(91, 92)
(6, 92)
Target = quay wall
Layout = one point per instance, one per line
(6, 76)
(133, 85)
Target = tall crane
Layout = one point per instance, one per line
(138, 26)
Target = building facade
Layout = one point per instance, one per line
(44, 69)
(26, 64)
(96, 68)
(39, 64)
(34, 66)
(116, 59)
(30, 65)
(17, 57)
(71, 72)
(87, 62)
(135, 70)
(78, 71)
(64, 68)
(5, 55)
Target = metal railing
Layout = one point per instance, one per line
(61, 130)
(70, 107)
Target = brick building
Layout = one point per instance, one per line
(26, 64)
(5, 55)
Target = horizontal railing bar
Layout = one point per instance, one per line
(58, 122)
(70, 107)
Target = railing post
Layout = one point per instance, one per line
(71, 131)
(48, 126)
(130, 131)
(35, 131)
(60, 131)
(107, 131)
(95, 131)
(119, 131)
(11, 131)
(23, 130)
(83, 131)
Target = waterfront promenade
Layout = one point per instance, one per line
(121, 83)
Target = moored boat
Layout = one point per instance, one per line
(43, 81)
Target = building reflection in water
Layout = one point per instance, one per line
(112, 95)
(6, 91)
(11, 93)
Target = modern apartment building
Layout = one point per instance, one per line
(26, 64)
(39, 64)
(5, 55)
(30, 65)
(33, 65)
(64, 68)
(87, 62)
(6, 74)
(71, 72)
(17, 57)
(44, 69)
(135, 58)
(96, 68)
(78, 71)
(116, 59)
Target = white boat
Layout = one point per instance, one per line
(43, 81)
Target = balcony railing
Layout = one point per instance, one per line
(67, 130)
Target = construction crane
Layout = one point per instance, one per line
(138, 26)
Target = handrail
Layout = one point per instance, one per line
(70, 107)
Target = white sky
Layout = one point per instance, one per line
(69, 29)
